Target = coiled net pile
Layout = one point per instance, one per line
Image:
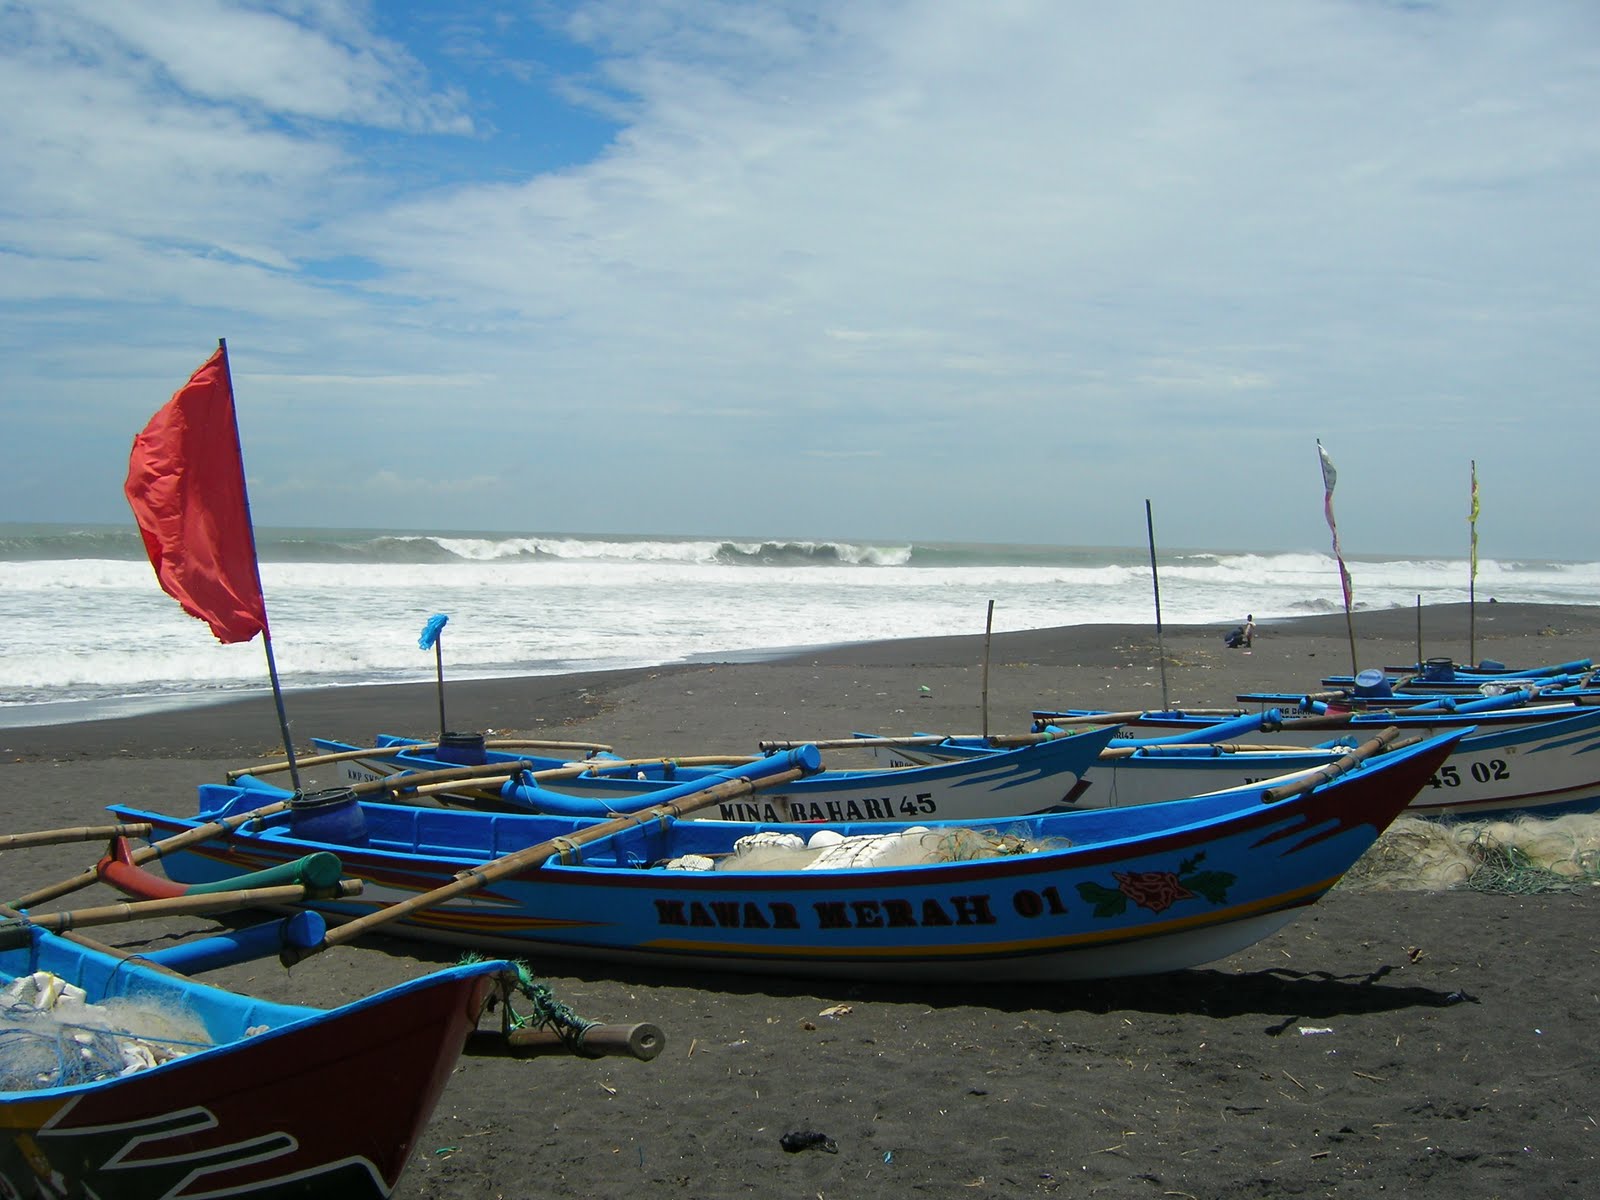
(51, 1036)
(1522, 856)
(829, 851)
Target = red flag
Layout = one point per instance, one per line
(186, 488)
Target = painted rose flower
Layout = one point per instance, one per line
(1154, 890)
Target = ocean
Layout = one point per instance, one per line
(85, 630)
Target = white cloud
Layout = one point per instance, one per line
(1032, 237)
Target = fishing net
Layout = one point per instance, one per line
(1522, 856)
(51, 1036)
(827, 850)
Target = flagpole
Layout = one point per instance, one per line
(266, 632)
(1329, 479)
(1472, 574)
(1155, 580)
(433, 638)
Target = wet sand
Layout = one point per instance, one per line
(1433, 1042)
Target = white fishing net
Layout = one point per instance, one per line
(827, 850)
(51, 1036)
(1520, 855)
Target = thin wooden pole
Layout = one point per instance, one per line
(438, 666)
(988, 631)
(1472, 573)
(1155, 580)
(1420, 659)
(1350, 628)
(255, 561)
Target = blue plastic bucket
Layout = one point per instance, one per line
(1373, 684)
(333, 816)
(464, 749)
(1438, 670)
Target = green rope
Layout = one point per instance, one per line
(547, 1011)
(1508, 871)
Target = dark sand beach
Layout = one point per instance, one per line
(1436, 1044)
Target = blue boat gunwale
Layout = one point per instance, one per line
(1039, 755)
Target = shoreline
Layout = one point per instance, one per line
(1430, 1043)
(1113, 666)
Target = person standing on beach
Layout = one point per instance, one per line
(1249, 628)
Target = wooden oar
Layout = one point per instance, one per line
(1383, 741)
(533, 856)
(175, 906)
(80, 833)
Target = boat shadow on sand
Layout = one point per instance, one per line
(1292, 995)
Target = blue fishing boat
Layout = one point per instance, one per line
(1087, 894)
(1547, 767)
(122, 1080)
(1044, 776)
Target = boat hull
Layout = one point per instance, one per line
(1547, 767)
(1032, 779)
(264, 1115)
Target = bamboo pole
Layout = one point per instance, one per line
(1119, 718)
(998, 741)
(144, 854)
(1333, 770)
(318, 760)
(187, 906)
(89, 943)
(81, 833)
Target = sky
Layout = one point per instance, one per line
(937, 270)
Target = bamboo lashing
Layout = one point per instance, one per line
(1333, 770)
